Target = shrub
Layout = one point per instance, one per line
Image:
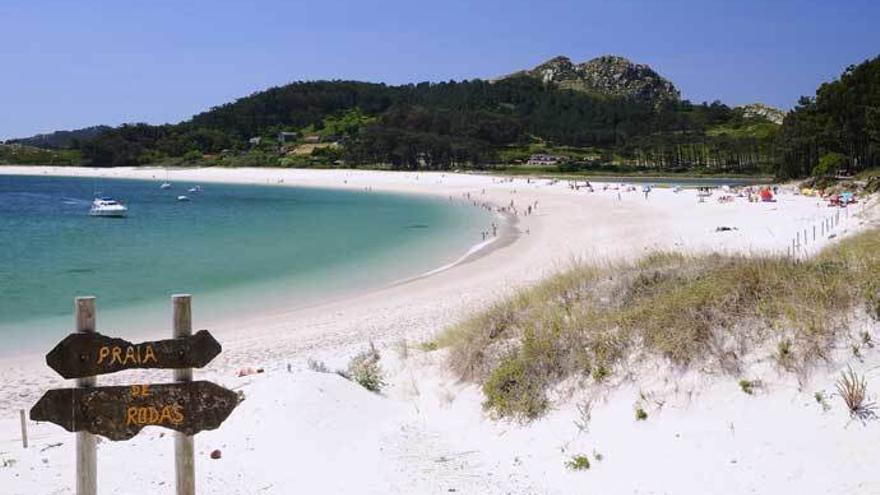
(578, 463)
(365, 370)
(429, 346)
(641, 414)
(853, 390)
(585, 415)
(784, 349)
(748, 386)
(317, 366)
(600, 373)
(511, 391)
(829, 164)
(192, 156)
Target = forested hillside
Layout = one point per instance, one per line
(837, 130)
(502, 123)
(446, 125)
(62, 139)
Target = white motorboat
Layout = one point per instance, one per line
(183, 197)
(196, 189)
(165, 185)
(105, 206)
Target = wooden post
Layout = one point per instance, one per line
(23, 428)
(814, 233)
(86, 443)
(184, 449)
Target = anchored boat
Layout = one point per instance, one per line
(106, 206)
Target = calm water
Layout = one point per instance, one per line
(238, 249)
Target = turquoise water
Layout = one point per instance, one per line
(238, 249)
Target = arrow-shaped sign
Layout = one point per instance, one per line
(89, 354)
(119, 413)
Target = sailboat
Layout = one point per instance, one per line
(166, 184)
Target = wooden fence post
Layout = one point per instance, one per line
(24, 442)
(184, 451)
(86, 443)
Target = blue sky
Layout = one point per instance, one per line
(69, 64)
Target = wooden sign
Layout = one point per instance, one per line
(119, 413)
(89, 354)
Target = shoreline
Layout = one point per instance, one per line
(427, 429)
(584, 234)
(507, 235)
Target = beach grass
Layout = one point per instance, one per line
(708, 310)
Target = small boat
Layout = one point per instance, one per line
(165, 185)
(106, 206)
(183, 197)
(196, 189)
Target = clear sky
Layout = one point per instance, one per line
(68, 64)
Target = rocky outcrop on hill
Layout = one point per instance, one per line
(759, 110)
(607, 76)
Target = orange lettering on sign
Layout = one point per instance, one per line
(149, 355)
(140, 390)
(103, 352)
(132, 355)
(131, 415)
(117, 355)
(150, 415)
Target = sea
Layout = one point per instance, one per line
(238, 249)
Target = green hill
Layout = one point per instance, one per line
(607, 115)
(437, 126)
(62, 139)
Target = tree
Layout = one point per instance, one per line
(829, 164)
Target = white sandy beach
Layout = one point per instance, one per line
(302, 431)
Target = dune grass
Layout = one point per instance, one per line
(689, 310)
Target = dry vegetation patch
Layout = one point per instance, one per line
(689, 310)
